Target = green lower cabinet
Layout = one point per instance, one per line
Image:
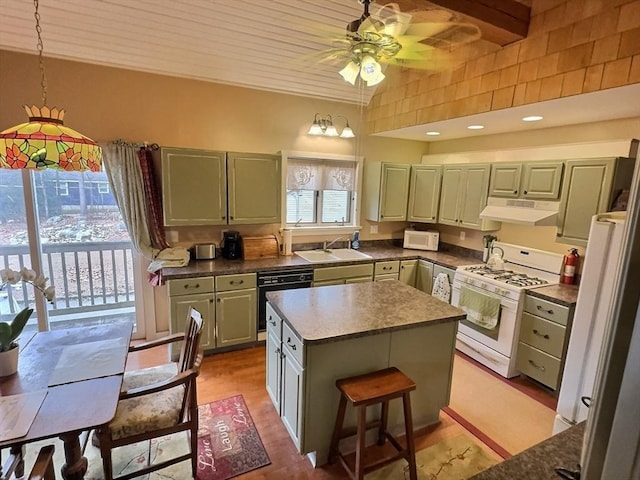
(424, 276)
(292, 396)
(236, 317)
(408, 271)
(179, 308)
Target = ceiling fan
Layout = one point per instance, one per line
(389, 37)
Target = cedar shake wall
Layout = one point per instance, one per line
(573, 47)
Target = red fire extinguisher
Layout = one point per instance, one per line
(570, 265)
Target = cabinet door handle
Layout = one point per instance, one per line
(230, 217)
(187, 286)
(535, 365)
(233, 282)
(218, 300)
(550, 312)
(292, 345)
(515, 192)
(224, 217)
(536, 332)
(525, 192)
(386, 268)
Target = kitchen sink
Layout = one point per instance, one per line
(332, 255)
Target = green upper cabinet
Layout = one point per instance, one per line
(542, 180)
(589, 188)
(194, 187)
(254, 184)
(424, 193)
(505, 180)
(529, 180)
(387, 191)
(464, 195)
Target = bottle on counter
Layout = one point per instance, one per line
(355, 241)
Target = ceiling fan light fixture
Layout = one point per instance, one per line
(371, 71)
(350, 72)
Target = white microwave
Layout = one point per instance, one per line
(421, 240)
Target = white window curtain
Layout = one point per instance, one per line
(123, 170)
(320, 175)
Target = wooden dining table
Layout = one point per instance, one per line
(72, 405)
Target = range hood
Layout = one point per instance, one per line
(523, 212)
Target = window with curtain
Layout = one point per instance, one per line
(320, 192)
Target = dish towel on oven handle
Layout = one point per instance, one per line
(481, 309)
(441, 287)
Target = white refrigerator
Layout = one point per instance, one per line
(593, 311)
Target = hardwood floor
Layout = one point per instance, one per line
(242, 372)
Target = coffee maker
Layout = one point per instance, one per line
(231, 245)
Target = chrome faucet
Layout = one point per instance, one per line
(326, 245)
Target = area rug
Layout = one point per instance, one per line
(453, 458)
(228, 445)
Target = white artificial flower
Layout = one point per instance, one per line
(10, 276)
(40, 281)
(50, 293)
(28, 275)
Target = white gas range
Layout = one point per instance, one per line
(493, 341)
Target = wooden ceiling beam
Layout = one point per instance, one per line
(501, 21)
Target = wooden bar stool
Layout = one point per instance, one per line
(370, 389)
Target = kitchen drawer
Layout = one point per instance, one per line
(292, 343)
(188, 286)
(549, 310)
(274, 322)
(385, 277)
(543, 334)
(538, 365)
(348, 271)
(235, 282)
(383, 268)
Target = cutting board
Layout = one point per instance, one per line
(254, 248)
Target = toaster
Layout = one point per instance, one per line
(205, 251)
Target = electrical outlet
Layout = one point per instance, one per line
(373, 229)
(463, 235)
(172, 236)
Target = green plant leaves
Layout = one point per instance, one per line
(9, 332)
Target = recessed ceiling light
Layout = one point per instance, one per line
(475, 127)
(433, 133)
(532, 118)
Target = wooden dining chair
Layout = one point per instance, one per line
(43, 469)
(151, 409)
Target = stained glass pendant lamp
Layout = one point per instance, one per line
(44, 141)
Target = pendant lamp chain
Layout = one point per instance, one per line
(43, 80)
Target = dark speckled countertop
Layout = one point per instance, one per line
(540, 461)
(335, 312)
(221, 266)
(566, 295)
(563, 294)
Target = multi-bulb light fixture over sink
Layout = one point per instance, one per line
(324, 126)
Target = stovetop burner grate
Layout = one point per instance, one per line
(509, 277)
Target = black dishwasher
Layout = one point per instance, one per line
(279, 280)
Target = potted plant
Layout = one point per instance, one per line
(9, 331)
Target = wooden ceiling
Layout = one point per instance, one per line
(270, 45)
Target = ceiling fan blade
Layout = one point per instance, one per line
(445, 35)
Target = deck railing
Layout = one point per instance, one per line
(88, 276)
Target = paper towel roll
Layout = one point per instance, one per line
(286, 241)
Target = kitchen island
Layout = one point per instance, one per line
(318, 335)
